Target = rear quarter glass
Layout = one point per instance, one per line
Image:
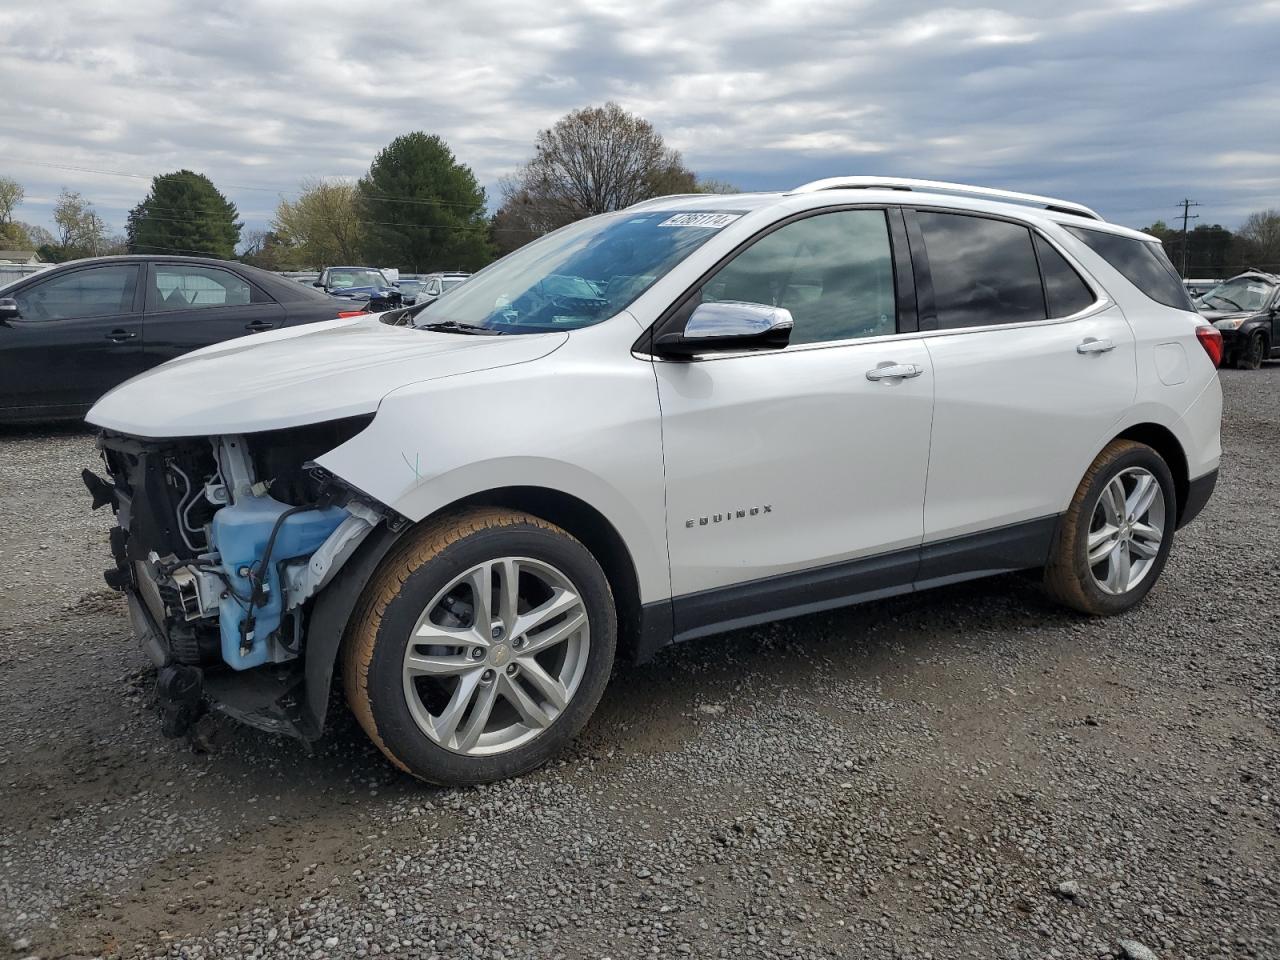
(1143, 263)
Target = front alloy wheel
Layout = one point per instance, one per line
(480, 647)
(496, 656)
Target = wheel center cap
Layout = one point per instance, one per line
(499, 655)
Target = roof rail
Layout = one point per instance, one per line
(941, 186)
(658, 201)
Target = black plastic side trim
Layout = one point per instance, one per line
(1019, 546)
(1198, 493)
(794, 594)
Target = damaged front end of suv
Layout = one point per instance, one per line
(229, 550)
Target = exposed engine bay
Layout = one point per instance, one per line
(220, 545)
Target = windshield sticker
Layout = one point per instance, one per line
(714, 221)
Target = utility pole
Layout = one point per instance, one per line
(1186, 206)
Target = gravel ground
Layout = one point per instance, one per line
(971, 773)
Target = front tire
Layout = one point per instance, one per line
(1253, 352)
(1114, 539)
(480, 647)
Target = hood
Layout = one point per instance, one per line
(352, 292)
(299, 375)
(1215, 315)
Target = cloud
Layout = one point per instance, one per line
(1126, 106)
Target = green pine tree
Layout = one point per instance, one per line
(184, 214)
(423, 209)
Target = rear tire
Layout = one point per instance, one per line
(1253, 352)
(1114, 539)
(480, 647)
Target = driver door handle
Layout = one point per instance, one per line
(257, 326)
(895, 371)
(120, 336)
(1094, 345)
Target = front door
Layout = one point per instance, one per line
(78, 335)
(794, 468)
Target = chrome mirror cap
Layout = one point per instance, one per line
(734, 319)
(728, 325)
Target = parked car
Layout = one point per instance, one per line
(743, 408)
(409, 290)
(437, 284)
(71, 333)
(1246, 309)
(365, 285)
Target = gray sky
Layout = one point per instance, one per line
(1126, 105)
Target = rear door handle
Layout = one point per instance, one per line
(895, 371)
(1094, 345)
(120, 336)
(257, 326)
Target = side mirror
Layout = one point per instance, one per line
(317, 283)
(9, 310)
(728, 325)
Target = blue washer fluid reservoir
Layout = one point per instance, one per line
(240, 534)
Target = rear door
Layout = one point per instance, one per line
(191, 305)
(1032, 366)
(79, 334)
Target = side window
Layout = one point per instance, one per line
(1143, 263)
(95, 292)
(984, 271)
(1064, 291)
(833, 271)
(181, 287)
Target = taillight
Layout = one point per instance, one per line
(1211, 339)
(343, 314)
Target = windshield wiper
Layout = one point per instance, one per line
(1218, 296)
(453, 326)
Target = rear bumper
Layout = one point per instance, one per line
(1198, 493)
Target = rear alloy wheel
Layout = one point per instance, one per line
(1254, 352)
(1115, 537)
(481, 647)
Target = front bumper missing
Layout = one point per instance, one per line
(266, 698)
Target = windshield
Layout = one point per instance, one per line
(1238, 293)
(343, 279)
(578, 276)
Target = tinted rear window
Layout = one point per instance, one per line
(984, 271)
(1143, 263)
(1064, 290)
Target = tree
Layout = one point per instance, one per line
(184, 213)
(595, 160)
(13, 235)
(423, 209)
(592, 161)
(323, 226)
(80, 231)
(268, 250)
(1258, 240)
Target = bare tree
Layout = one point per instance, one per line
(323, 225)
(1258, 239)
(591, 161)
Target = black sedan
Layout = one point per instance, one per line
(71, 333)
(1246, 309)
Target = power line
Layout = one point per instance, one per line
(1186, 215)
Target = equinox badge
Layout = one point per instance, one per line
(729, 515)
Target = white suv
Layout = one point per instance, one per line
(689, 416)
